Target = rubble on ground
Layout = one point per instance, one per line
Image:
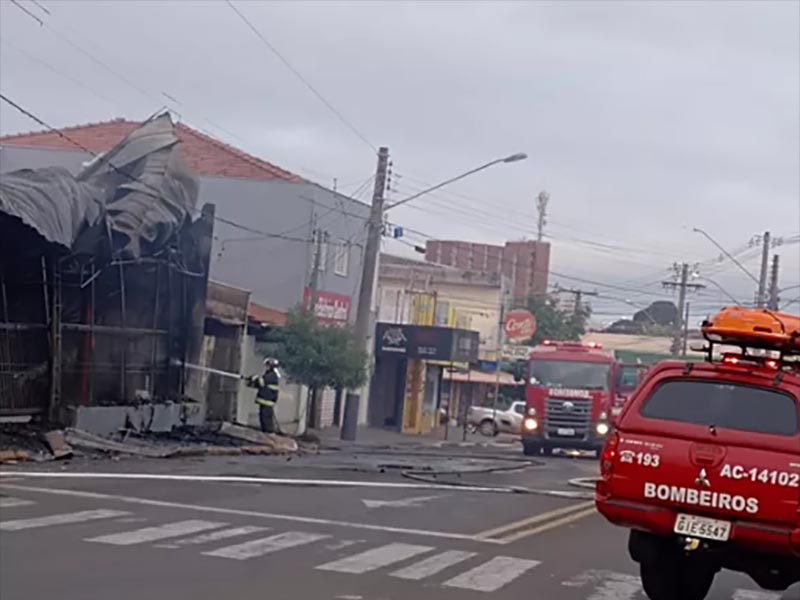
(227, 439)
(280, 444)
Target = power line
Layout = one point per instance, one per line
(478, 205)
(122, 172)
(300, 76)
(57, 71)
(27, 12)
(484, 215)
(147, 94)
(262, 234)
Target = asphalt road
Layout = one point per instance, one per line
(89, 538)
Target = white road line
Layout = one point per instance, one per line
(375, 558)
(159, 532)
(214, 536)
(265, 480)
(76, 517)
(274, 543)
(9, 502)
(251, 513)
(751, 595)
(492, 575)
(434, 564)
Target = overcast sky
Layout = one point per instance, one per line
(641, 119)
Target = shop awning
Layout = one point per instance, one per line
(482, 377)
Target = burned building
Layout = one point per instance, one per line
(103, 280)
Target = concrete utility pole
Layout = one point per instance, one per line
(685, 331)
(774, 300)
(500, 339)
(541, 207)
(683, 285)
(371, 250)
(761, 298)
(313, 282)
(579, 294)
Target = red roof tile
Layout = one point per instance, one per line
(204, 154)
(263, 314)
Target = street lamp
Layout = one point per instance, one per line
(508, 159)
(726, 253)
(373, 244)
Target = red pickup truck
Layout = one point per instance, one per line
(704, 467)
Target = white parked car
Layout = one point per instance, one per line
(490, 422)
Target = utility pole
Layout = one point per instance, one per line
(683, 284)
(579, 294)
(500, 338)
(541, 207)
(686, 331)
(761, 298)
(313, 285)
(774, 300)
(372, 249)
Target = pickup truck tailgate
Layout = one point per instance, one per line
(707, 478)
(715, 448)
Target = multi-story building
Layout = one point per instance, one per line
(525, 263)
(421, 293)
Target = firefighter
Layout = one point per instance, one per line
(266, 385)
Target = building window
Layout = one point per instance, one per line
(341, 264)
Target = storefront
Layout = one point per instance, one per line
(409, 363)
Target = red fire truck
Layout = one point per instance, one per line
(569, 397)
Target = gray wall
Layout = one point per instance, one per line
(13, 159)
(274, 269)
(277, 269)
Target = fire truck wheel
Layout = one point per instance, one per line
(531, 448)
(673, 578)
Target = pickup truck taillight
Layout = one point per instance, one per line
(609, 455)
(607, 458)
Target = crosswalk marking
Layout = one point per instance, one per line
(434, 564)
(215, 536)
(159, 532)
(9, 502)
(63, 519)
(608, 585)
(751, 595)
(266, 545)
(375, 558)
(492, 575)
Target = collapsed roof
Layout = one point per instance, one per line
(132, 200)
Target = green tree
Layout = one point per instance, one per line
(555, 324)
(318, 356)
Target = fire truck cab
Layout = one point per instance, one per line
(569, 393)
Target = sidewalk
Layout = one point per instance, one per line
(376, 437)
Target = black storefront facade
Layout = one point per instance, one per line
(409, 363)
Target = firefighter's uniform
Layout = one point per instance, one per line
(267, 385)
